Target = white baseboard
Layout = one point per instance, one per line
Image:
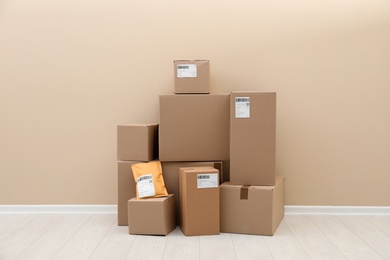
(337, 210)
(324, 210)
(58, 209)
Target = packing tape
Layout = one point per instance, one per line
(244, 192)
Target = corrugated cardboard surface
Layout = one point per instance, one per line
(194, 127)
(126, 189)
(199, 84)
(253, 140)
(154, 216)
(260, 213)
(199, 207)
(137, 142)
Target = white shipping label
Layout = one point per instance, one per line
(145, 186)
(243, 105)
(186, 71)
(209, 180)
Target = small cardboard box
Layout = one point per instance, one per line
(199, 201)
(171, 171)
(252, 138)
(256, 210)
(194, 127)
(154, 216)
(191, 76)
(126, 189)
(137, 142)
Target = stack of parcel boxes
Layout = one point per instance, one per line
(198, 137)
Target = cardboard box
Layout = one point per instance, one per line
(199, 201)
(256, 210)
(252, 138)
(171, 171)
(194, 127)
(154, 216)
(126, 190)
(191, 76)
(137, 142)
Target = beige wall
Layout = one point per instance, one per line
(70, 71)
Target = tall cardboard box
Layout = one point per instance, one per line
(126, 189)
(256, 210)
(191, 76)
(153, 216)
(199, 201)
(252, 138)
(171, 171)
(194, 127)
(137, 142)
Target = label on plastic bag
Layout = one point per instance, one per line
(186, 71)
(145, 186)
(209, 180)
(243, 105)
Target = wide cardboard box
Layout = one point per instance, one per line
(126, 189)
(153, 216)
(256, 210)
(252, 138)
(194, 127)
(191, 76)
(171, 171)
(199, 201)
(137, 142)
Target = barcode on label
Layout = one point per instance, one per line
(183, 67)
(200, 177)
(144, 178)
(242, 99)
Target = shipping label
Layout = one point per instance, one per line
(186, 71)
(207, 180)
(145, 186)
(243, 106)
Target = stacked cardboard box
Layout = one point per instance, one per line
(253, 201)
(191, 76)
(194, 127)
(252, 138)
(135, 143)
(231, 135)
(139, 143)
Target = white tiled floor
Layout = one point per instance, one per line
(97, 236)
